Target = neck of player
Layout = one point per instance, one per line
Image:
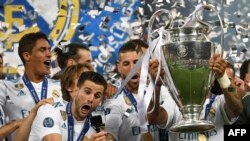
(34, 77)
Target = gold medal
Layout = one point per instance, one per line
(147, 137)
(55, 93)
(19, 86)
(202, 137)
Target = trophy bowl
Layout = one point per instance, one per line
(187, 56)
(185, 53)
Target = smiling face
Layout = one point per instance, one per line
(88, 98)
(39, 59)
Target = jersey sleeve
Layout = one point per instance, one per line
(47, 121)
(220, 102)
(113, 119)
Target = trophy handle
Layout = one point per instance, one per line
(152, 19)
(208, 29)
(153, 34)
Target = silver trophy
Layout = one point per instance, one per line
(186, 53)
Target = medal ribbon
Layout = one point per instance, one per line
(71, 125)
(130, 97)
(33, 91)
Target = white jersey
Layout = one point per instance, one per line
(16, 99)
(122, 121)
(53, 119)
(217, 115)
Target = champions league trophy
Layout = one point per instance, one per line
(186, 51)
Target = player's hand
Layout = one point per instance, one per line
(42, 102)
(153, 69)
(110, 91)
(218, 65)
(101, 136)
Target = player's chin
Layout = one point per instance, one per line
(83, 114)
(135, 84)
(46, 71)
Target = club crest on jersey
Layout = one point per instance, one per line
(55, 93)
(127, 101)
(21, 93)
(19, 86)
(48, 122)
(63, 114)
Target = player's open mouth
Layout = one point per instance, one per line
(47, 63)
(85, 109)
(135, 76)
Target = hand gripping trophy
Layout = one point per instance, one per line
(186, 51)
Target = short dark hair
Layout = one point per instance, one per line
(133, 45)
(92, 76)
(244, 69)
(69, 51)
(229, 65)
(140, 42)
(68, 76)
(28, 41)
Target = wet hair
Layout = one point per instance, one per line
(69, 75)
(28, 42)
(69, 51)
(244, 69)
(133, 45)
(92, 76)
(140, 43)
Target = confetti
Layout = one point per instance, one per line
(235, 19)
(109, 23)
